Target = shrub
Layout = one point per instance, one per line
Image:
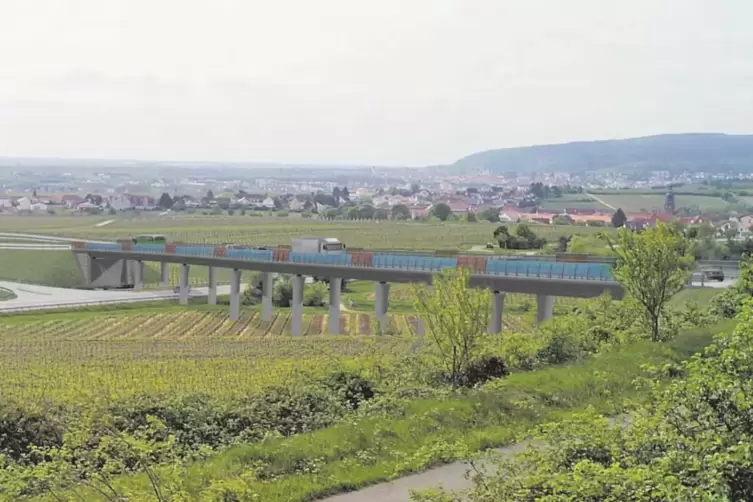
(351, 388)
(283, 214)
(315, 295)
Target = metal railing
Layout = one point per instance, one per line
(517, 268)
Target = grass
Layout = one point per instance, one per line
(6, 294)
(270, 230)
(701, 296)
(646, 201)
(50, 268)
(425, 433)
(579, 201)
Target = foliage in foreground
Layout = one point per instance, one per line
(390, 435)
(690, 442)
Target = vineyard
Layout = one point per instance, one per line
(85, 356)
(270, 230)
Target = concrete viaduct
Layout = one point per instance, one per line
(118, 264)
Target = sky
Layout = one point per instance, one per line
(372, 82)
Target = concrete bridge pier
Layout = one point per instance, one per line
(544, 307)
(382, 294)
(495, 315)
(164, 272)
(212, 289)
(267, 283)
(138, 274)
(184, 269)
(296, 323)
(335, 285)
(235, 294)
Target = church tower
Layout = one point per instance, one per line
(669, 201)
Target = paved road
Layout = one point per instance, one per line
(31, 297)
(451, 476)
(44, 238)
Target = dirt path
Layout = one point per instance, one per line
(601, 201)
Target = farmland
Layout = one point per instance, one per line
(635, 201)
(270, 230)
(58, 268)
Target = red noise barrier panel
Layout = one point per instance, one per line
(361, 259)
(476, 264)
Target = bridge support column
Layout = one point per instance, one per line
(296, 323)
(164, 272)
(495, 315)
(267, 282)
(335, 286)
(212, 289)
(235, 295)
(544, 307)
(382, 302)
(184, 269)
(138, 274)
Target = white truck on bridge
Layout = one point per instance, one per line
(317, 245)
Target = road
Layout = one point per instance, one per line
(44, 238)
(30, 297)
(451, 476)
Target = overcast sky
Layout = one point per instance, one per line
(386, 82)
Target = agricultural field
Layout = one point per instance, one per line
(269, 230)
(90, 354)
(643, 201)
(573, 201)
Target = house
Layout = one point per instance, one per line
(23, 204)
(6, 203)
(88, 207)
(71, 201)
(123, 202)
(419, 211)
(268, 203)
(38, 207)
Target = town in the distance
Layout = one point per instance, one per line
(716, 192)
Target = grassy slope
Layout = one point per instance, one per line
(431, 431)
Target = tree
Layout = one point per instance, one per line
(490, 214)
(345, 194)
(456, 321)
(415, 188)
(556, 191)
(619, 219)
(690, 441)
(210, 195)
(471, 217)
(538, 190)
(336, 194)
(381, 214)
(165, 201)
(441, 211)
(400, 212)
(503, 237)
(652, 266)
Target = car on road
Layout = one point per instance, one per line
(712, 274)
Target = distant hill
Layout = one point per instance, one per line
(693, 152)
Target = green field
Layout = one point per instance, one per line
(573, 201)
(58, 268)
(643, 201)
